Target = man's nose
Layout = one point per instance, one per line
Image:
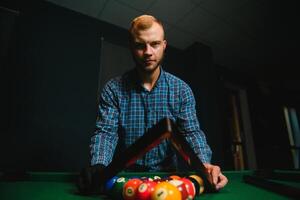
(148, 49)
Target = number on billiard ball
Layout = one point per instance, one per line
(165, 191)
(145, 190)
(130, 188)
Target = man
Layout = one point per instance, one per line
(134, 102)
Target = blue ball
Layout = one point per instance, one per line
(110, 183)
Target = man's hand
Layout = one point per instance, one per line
(219, 180)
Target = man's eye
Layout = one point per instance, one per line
(155, 44)
(139, 46)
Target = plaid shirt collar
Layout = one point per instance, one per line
(134, 79)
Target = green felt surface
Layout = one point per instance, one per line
(47, 185)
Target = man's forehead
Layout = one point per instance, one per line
(154, 33)
(150, 39)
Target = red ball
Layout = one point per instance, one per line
(189, 187)
(130, 188)
(181, 187)
(145, 190)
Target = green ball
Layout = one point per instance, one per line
(117, 190)
(155, 177)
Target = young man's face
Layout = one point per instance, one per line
(148, 48)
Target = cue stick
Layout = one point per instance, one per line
(293, 176)
(279, 188)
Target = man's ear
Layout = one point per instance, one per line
(165, 44)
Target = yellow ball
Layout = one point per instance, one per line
(165, 191)
(200, 181)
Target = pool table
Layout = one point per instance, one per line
(60, 185)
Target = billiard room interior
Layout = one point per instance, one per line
(238, 56)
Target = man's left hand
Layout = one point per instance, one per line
(219, 180)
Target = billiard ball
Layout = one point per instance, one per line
(145, 190)
(175, 177)
(189, 187)
(116, 191)
(165, 191)
(130, 188)
(182, 188)
(110, 183)
(156, 178)
(195, 184)
(165, 179)
(200, 182)
(144, 178)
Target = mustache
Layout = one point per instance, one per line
(146, 60)
(138, 60)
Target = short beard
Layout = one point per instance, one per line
(143, 69)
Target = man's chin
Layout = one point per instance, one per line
(148, 68)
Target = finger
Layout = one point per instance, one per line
(215, 172)
(222, 181)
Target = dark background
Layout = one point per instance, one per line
(50, 59)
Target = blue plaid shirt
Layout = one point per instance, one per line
(127, 110)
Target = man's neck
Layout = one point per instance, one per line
(148, 80)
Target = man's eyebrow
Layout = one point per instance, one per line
(156, 41)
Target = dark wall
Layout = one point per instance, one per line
(7, 22)
(52, 71)
(201, 74)
(267, 95)
(269, 127)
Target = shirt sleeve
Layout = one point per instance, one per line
(105, 138)
(189, 125)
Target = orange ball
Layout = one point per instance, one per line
(175, 177)
(165, 191)
(182, 189)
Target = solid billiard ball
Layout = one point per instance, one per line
(165, 191)
(189, 187)
(145, 190)
(116, 191)
(110, 183)
(130, 188)
(200, 182)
